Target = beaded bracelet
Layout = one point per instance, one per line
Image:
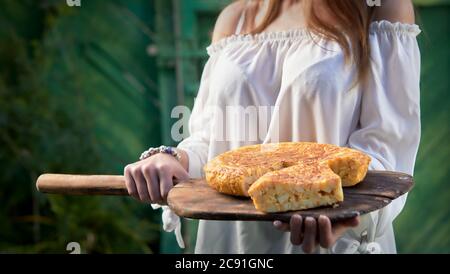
(162, 149)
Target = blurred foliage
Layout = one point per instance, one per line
(64, 74)
(424, 224)
(431, 2)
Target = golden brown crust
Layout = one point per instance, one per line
(267, 172)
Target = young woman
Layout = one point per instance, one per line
(335, 71)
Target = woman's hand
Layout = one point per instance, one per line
(311, 232)
(150, 180)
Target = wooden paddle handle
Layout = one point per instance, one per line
(82, 184)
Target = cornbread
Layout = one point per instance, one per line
(287, 176)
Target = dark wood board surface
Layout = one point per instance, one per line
(196, 200)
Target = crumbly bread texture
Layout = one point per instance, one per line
(287, 176)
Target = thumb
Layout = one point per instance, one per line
(352, 222)
(340, 227)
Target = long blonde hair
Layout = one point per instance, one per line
(350, 30)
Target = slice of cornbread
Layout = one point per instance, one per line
(287, 176)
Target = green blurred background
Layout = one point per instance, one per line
(86, 89)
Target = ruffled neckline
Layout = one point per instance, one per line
(299, 33)
(398, 27)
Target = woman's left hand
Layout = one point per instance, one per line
(310, 232)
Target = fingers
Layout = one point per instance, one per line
(353, 222)
(340, 227)
(181, 174)
(141, 185)
(129, 182)
(133, 181)
(310, 232)
(150, 180)
(152, 183)
(309, 241)
(281, 226)
(138, 182)
(165, 183)
(329, 233)
(296, 229)
(326, 238)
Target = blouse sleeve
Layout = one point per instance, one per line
(197, 144)
(389, 126)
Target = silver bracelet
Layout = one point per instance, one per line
(162, 149)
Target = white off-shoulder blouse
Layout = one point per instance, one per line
(301, 89)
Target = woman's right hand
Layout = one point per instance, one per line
(150, 180)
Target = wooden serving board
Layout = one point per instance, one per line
(195, 199)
